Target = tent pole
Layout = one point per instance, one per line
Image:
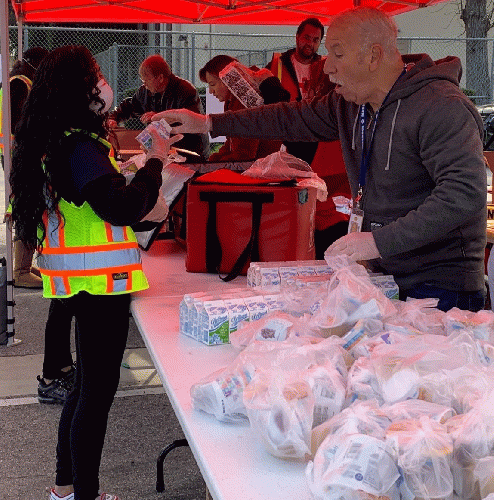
(20, 41)
(8, 339)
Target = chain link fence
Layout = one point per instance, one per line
(120, 52)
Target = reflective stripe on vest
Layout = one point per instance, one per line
(115, 260)
(81, 252)
(278, 69)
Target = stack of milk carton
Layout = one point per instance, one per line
(275, 276)
(211, 317)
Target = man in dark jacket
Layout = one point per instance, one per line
(412, 144)
(162, 90)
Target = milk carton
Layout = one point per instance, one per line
(287, 270)
(252, 273)
(269, 277)
(257, 307)
(213, 323)
(145, 137)
(185, 311)
(274, 302)
(237, 312)
(387, 285)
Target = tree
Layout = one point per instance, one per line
(477, 15)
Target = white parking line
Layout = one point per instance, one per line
(29, 400)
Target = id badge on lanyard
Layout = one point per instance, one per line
(357, 214)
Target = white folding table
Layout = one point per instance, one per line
(233, 463)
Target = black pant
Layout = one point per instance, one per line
(101, 328)
(57, 339)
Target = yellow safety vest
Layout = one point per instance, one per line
(29, 84)
(82, 252)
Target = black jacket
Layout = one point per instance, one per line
(179, 93)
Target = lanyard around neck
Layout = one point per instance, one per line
(366, 154)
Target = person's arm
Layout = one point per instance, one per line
(121, 204)
(105, 189)
(293, 121)
(129, 107)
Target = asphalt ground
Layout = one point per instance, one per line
(141, 421)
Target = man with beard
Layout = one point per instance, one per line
(295, 67)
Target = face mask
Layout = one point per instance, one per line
(106, 95)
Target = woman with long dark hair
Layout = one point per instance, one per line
(71, 203)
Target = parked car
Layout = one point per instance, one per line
(487, 113)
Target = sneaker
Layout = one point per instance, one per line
(106, 496)
(53, 393)
(54, 496)
(68, 378)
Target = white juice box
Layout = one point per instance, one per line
(269, 277)
(213, 323)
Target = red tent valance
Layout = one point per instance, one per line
(266, 12)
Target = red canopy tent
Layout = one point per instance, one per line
(267, 12)
(246, 12)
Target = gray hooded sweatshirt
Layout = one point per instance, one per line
(425, 190)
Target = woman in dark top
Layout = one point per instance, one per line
(67, 191)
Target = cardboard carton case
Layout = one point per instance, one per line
(228, 225)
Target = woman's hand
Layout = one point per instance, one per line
(160, 147)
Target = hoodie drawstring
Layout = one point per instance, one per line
(354, 129)
(391, 134)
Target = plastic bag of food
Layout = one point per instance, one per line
(302, 386)
(221, 393)
(424, 450)
(273, 327)
(473, 436)
(483, 474)
(349, 465)
(413, 409)
(362, 383)
(362, 417)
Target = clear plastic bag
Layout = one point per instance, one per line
(351, 297)
(424, 450)
(350, 465)
(302, 386)
(283, 165)
(221, 393)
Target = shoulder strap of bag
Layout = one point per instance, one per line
(213, 245)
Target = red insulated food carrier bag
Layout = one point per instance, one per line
(233, 220)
